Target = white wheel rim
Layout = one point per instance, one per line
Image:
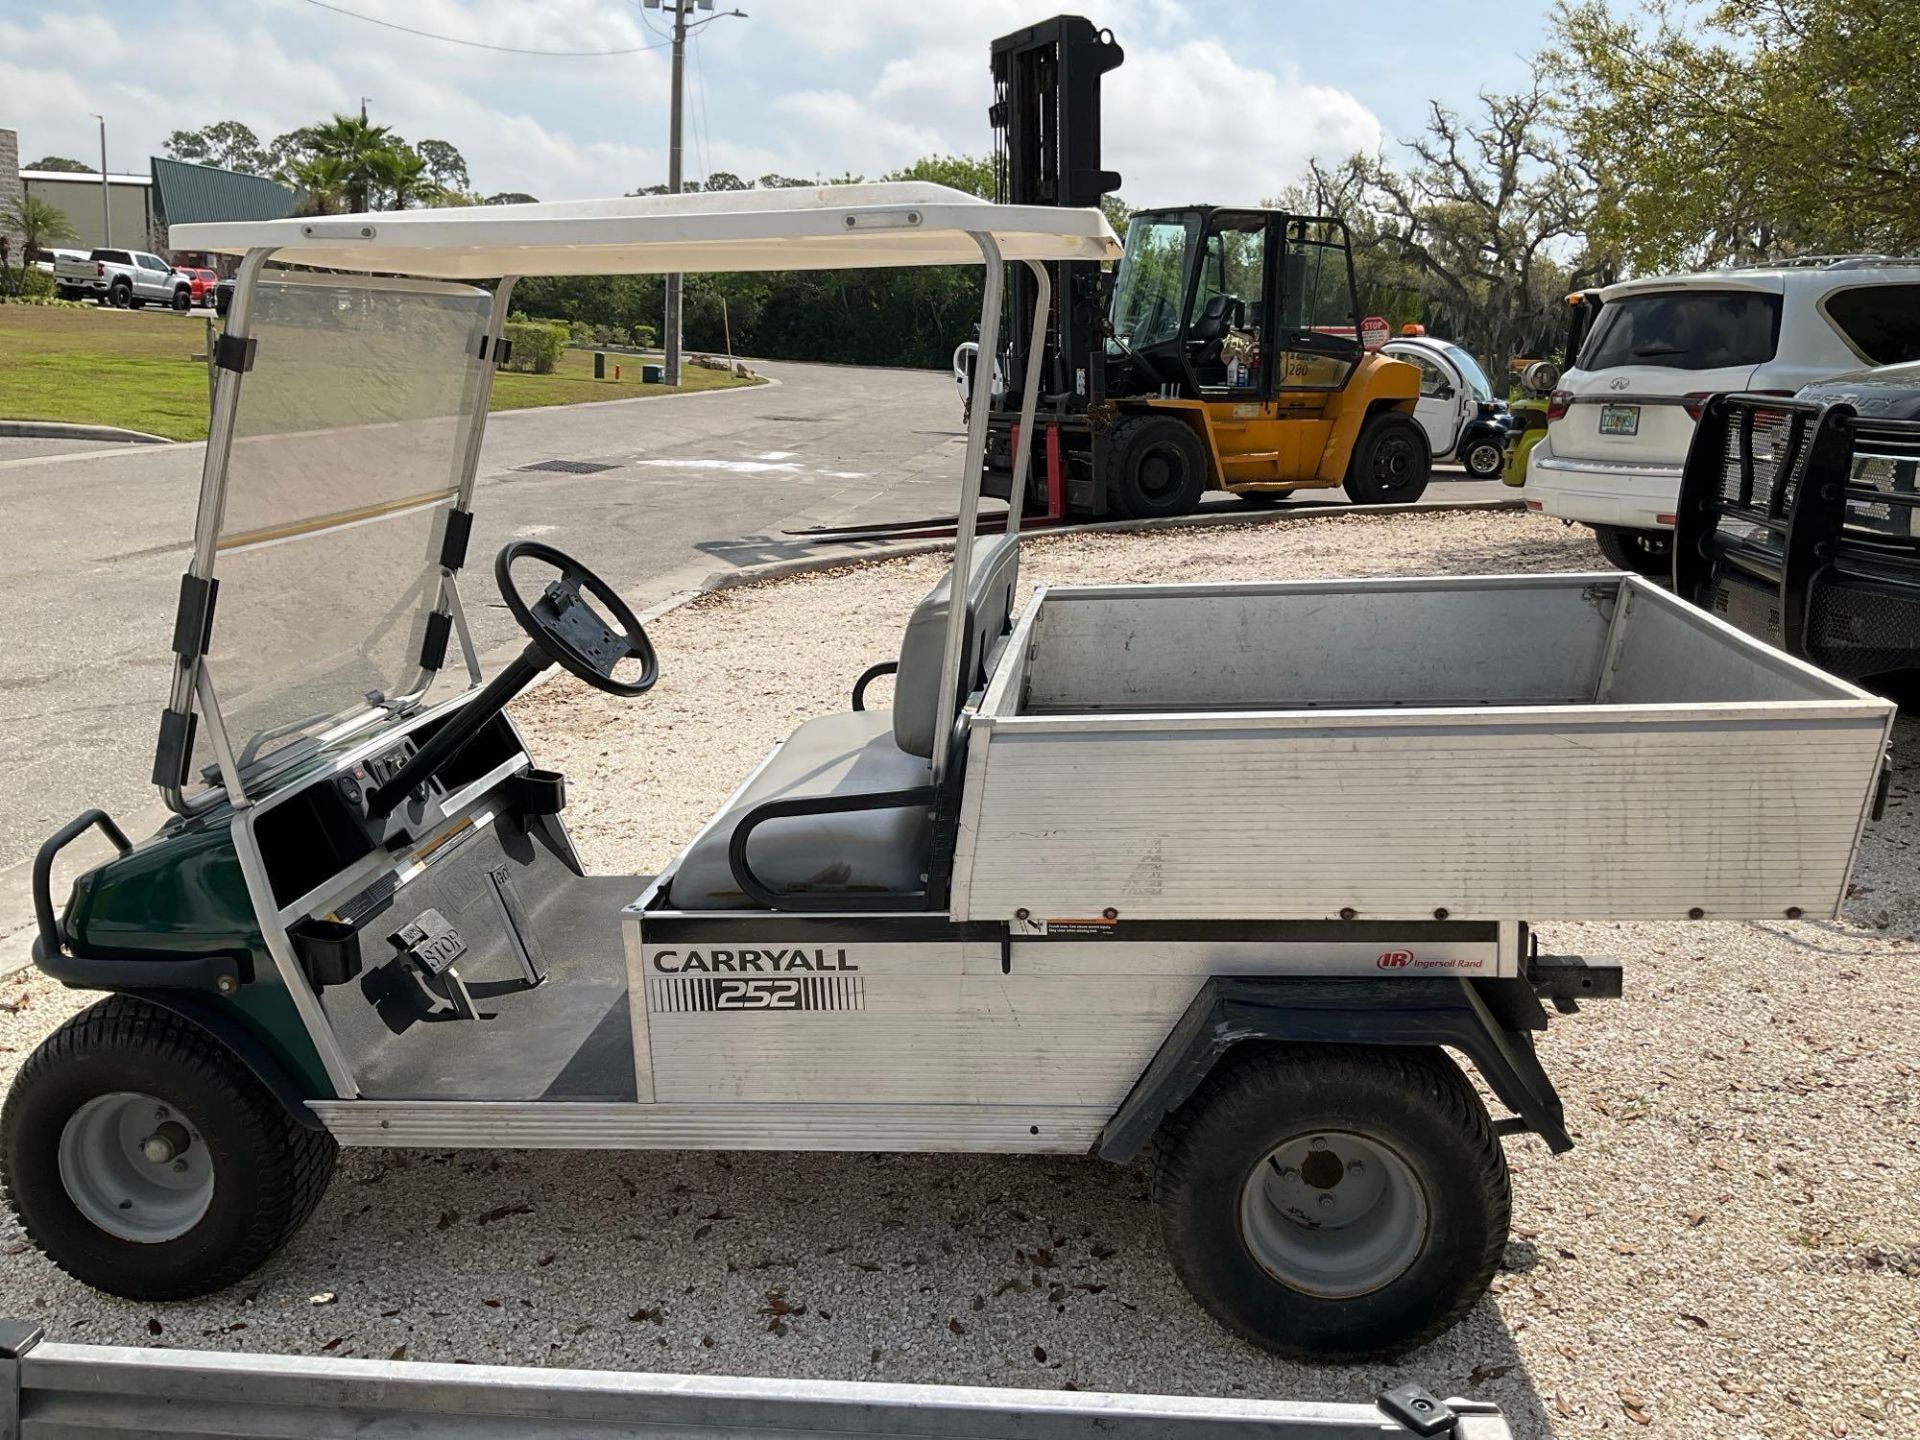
(135, 1167)
(1334, 1214)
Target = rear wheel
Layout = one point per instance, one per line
(119, 294)
(1639, 552)
(1155, 467)
(1391, 461)
(1333, 1201)
(146, 1161)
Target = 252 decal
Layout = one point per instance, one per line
(707, 993)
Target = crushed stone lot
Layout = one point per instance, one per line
(1733, 1248)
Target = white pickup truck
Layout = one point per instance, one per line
(121, 278)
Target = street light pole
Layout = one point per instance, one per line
(673, 182)
(106, 208)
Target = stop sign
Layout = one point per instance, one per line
(1374, 332)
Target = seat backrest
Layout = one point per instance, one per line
(917, 722)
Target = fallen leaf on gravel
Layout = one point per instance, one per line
(702, 1232)
(154, 1327)
(1526, 1232)
(545, 1260)
(502, 1213)
(325, 1297)
(332, 1345)
(1016, 1286)
(448, 1219)
(19, 1247)
(1693, 1319)
(979, 1302)
(1838, 1427)
(1621, 1249)
(777, 1304)
(656, 1314)
(1103, 1252)
(956, 1327)
(719, 1215)
(1043, 1258)
(1040, 1354)
(706, 1343)
(1564, 1406)
(16, 1006)
(1696, 1218)
(1639, 1417)
(491, 1304)
(1739, 1387)
(399, 1353)
(1483, 1373)
(776, 1326)
(868, 1265)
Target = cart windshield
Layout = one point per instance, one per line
(346, 459)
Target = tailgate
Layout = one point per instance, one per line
(1636, 416)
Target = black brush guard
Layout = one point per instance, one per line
(1797, 523)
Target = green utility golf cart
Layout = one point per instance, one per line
(1230, 871)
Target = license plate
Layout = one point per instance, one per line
(431, 942)
(1619, 419)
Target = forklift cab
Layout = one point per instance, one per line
(1233, 304)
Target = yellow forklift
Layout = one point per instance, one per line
(1225, 352)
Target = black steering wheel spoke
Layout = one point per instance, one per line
(570, 631)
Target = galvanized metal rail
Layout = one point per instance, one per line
(61, 1390)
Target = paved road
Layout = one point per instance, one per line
(97, 540)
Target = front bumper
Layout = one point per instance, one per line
(1598, 492)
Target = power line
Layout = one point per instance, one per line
(481, 44)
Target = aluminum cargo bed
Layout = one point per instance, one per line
(1518, 747)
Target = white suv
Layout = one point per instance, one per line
(1619, 426)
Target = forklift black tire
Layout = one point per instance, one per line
(1391, 461)
(1639, 552)
(1333, 1202)
(145, 1160)
(1156, 467)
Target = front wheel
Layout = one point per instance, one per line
(1391, 461)
(1156, 467)
(145, 1160)
(1639, 552)
(1333, 1202)
(1483, 458)
(183, 300)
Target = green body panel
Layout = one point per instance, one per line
(182, 893)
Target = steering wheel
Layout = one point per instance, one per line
(569, 631)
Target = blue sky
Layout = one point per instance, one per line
(1222, 100)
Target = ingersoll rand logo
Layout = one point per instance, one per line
(1395, 959)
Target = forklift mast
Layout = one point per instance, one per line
(1046, 123)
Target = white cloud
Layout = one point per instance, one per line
(856, 85)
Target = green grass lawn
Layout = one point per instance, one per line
(134, 369)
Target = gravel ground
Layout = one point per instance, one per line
(1730, 1251)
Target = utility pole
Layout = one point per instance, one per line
(681, 9)
(106, 207)
(363, 108)
(673, 181)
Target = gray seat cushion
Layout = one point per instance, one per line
(917, 722)
(859, 852)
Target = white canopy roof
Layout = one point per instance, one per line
(828, 227)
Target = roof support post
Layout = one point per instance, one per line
(973, 467)
(213, 487)
(1029, 397)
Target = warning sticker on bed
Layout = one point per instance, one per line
(1080, 925)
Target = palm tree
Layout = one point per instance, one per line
(402, 173)
(323, 178)
(358, 145)
(36, 222)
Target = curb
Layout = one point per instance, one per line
(62, 430)
(781, 569)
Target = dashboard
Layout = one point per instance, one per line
(323, 827)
